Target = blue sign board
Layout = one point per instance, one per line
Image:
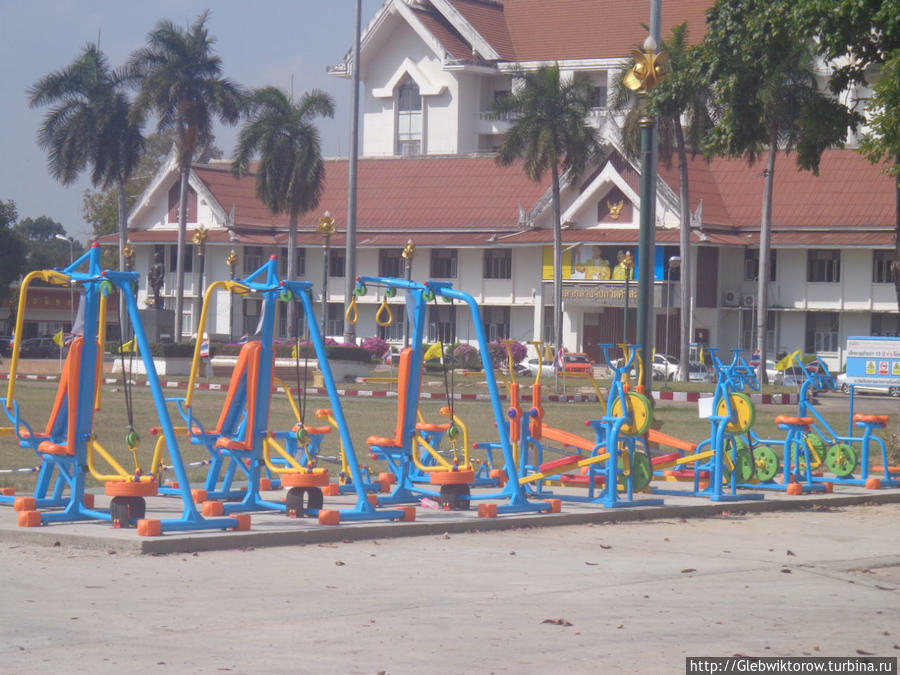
(873, 360)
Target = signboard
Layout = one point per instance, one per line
(610, 294)
(873, 360)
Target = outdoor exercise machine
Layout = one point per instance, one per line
(719, 464)
(398, 450)
(613, 462)
(73, 458)
(842, 454)
(243, 441)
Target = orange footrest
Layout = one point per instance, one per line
(305, 480)
(487, 510)
(462, 477)
(24, 504)
(129, 488)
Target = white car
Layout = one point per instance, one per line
(530, 367)
(665, 367)
(844, 386)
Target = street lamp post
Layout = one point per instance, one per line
(674, 262)
(409, 252)
(646, 74)
(71, 288)
(199, 240)
(325, 229)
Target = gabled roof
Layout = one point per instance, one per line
(471, 201)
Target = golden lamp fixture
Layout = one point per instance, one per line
(200, 235)
(326, 227)
(408, 251)
(648, 67)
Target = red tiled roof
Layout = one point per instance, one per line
(425, 193)
(537, 30)
(445, 34)
(848, 192)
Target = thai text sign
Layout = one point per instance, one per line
(873, 360)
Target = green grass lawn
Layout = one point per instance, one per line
(365, 417)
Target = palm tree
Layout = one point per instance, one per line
(681, 95)
(90, 124)
(765, 87)
(180, 79)
(549, 133)
(291, 173)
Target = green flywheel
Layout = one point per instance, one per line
(641, 470)
(841, 459)
(766, 462)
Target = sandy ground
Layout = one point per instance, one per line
(594, 598)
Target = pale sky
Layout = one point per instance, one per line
(263, 42)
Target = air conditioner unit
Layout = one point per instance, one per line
(731, 299)
(748, 300)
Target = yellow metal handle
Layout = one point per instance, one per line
(383, 309)
(352, 314)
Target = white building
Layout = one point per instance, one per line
(431, 70)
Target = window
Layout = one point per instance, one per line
(496, 323)
(547, 328)
(250, 319)
(748, 330)
(409, 119)
(823, 266)
(188, 258)
(751, 264)
(886, 324)
(334, 325)
(390, 263)
(598, 99)
(299, 263)
(881, 268)
(498, 263)
(822, 332)
(394, 331)
(253, 259)
(337, 258)
(300, 318)
(443, 263)
(442, 323)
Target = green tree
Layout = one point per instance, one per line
(290, 176)
(860, 38)
(548, 133)
(12, 251)
(681, 95)
(759, 62)
(90, 125)
(44, 250)
(180, 79)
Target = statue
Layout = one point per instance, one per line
(155, 280)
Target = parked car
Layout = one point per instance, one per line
(5, 345)
(39, 348)
(794, 376)
(844, 386)
(665, 367)
(530, 367)
(577, 362)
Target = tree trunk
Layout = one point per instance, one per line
(122, 205)
(765, 231)
(557, 264)
(684, 245)
(179, 266)
(895, 268)
(291, 270)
